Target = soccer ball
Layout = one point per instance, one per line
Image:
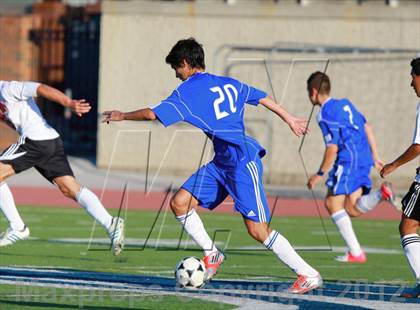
(190, 273)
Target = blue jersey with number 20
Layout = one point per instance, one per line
(216, 105)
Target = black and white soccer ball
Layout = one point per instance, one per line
(190, 273)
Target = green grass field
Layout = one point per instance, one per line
(52, 229)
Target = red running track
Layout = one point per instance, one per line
(138, 200)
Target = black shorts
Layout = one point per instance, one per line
(46, 156)
(411, 202)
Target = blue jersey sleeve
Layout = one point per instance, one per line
(330, 130)
(252, 95)
(169, 111)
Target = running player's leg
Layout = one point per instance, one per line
(246, 187)
(341, 184)
(17, 229)
(351, 201)
(55, 167)
(13, 160)
(70, 188)
(410, 240)
(203, 189)
(183, 205)
(7, 203)
(365, 201)
(335, 206)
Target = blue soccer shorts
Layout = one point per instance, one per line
(211, 184)
(344, 179)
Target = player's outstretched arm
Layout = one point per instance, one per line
(79, 107)
(372, 143)
(138, 115)
(297, 125)
(412, 152)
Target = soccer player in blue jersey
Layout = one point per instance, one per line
(351, 152)
(216, 105)
(410, 219)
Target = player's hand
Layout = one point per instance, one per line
(379, 164)
(313, 180)
(112, 116)
(298, 126)
(79, 107)
(387, 169)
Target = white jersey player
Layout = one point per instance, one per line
(41, 147)
(410, 219)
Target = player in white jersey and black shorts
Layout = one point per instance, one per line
(41, 147)
(410, 220)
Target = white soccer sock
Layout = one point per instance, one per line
(90, 202)
(285, 252)
(411, 245)
(368, 202)
(8, 207)
(344, 226)
(195, 229)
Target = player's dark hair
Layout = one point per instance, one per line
(189, 50)
(415, 66)
(320, 81)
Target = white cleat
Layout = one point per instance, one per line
(304, 284)
(116, 234)
(11, 236)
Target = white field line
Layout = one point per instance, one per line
(174, 242)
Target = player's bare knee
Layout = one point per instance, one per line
(408, 227)
(329, 207)
(67, 191)
(178, 205)
(254, 234)
(352, 212)
(258, 233)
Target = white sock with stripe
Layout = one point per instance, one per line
(8, 207)
(285, 252)
(91, 203)
(344, 226)
(411, 246)
(195, 229)
(368, 202)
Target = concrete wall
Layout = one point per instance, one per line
(137, 35)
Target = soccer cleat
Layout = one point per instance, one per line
(350, 258)
(212, 263)
(11, 236)
(116, 234)
(413, 292)
(387, 192)
(304, 284)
